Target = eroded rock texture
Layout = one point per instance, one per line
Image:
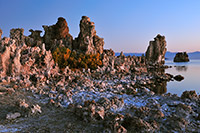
(87, 41)
(19, 59)
(59, 31)
(155, 54)
(17, 35)
(181, 57)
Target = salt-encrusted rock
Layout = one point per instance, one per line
(11, 116)
(87, 41)
(36, 109)
(59, 31)
(155, 54)
(1, 32)
(181, 57)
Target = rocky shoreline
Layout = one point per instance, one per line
(124, 94)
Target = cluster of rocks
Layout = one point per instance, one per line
(23, 109)
(181, 57)
(121, 95)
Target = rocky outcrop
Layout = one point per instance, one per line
(181, 57)
(87, 41)
(17, 35)
(18, 59)
(59, 31)
(35, 34)
(1, 32)
(155, 54)
(34, 38)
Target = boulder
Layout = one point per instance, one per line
(181, 57)
(155, 54)
(88, 42)
(178, 77)
(59, 31)
(1, 32)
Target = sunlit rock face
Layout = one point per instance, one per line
(1, 32)
(87, 41)
(19, 59)
(59, 31)
(181, 57)
(155, 54)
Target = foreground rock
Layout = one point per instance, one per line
(155, 53)
(181, 57)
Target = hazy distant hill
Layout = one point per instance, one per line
(168, 55)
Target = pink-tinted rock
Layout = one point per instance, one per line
(87, 41)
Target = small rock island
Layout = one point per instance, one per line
(181, 57)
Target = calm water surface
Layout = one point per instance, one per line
(191, 73)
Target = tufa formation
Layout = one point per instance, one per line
(155, 54)
(87, 40)
(59, 31)
(181, 57)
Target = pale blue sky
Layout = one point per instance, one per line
(125, 25)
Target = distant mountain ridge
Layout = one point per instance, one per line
(169, 55)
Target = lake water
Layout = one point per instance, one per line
(191, 73)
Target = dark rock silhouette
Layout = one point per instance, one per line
(181, 57)
(189, 95)
(59, 31)
(1, 32)
(178, 77)
(34, 39)
(87, 41)
(155, 54)
(35, 34)
(18, 35)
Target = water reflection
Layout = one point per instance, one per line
(160, 88)
(181, 68)
(191, 72)
(159, 85)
